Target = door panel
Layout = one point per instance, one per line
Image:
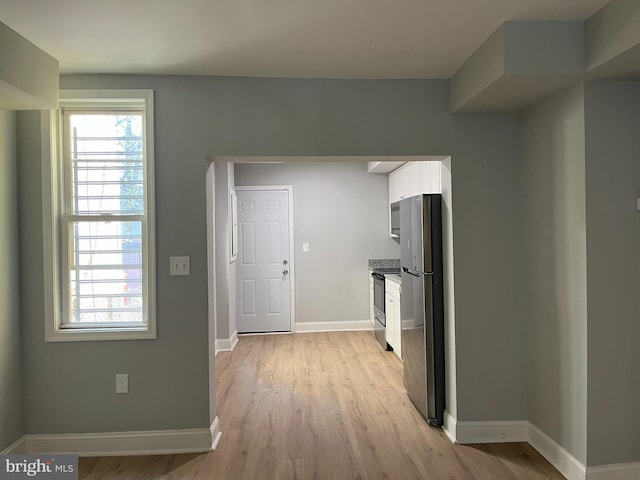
(262, 271)
(273, 243)
(275, 296)
(247, 248)
(248, 295)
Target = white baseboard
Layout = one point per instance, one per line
(317, 327)
(161, 442)
(485, 432)
(17, 447)
(461, 432)
(216, 434)
(227, 344)
(556, 455)
(449, 427)
(618, 471)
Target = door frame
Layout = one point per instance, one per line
(292, 278)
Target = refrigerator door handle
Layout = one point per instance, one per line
(410, 272)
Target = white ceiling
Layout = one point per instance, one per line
(273, 38)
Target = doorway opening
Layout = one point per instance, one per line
(223, 279)
(264, 264)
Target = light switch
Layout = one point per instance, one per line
(305, 247)
(122, 383)
(179, 266)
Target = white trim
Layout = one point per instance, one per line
(233, 224)
(292, 278)
(212, 318)
(259, 334)
(216, 434)
(461, 432)
(489, 432)
(325, 158)
(77, 98)
(52, 207)
(150, 204)
(617, 471)
(17, 447)
(227, 344)
(160, 442)
(97, 334)
(317, 327)
(557, 456)
(449, 427)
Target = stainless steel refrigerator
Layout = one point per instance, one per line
(422, 304)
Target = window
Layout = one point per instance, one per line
(102, 207)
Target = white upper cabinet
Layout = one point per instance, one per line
(394, 186)
(415, 181)
(430, 181)
(405, 178)
(414, 178)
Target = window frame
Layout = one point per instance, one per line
(56, 217)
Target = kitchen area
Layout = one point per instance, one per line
(348, 214)
(406, 304)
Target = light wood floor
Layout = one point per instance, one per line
(322, 406)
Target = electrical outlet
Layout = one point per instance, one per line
(179, 266)
(122, 383)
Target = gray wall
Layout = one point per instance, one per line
(555, 271)
(544, 48)
(29, 76)
(342, 212)
(581, 170)
(613, 264)
(611, 32)
(11, 411)
(480, 70)
(69, 386)
(487, 222)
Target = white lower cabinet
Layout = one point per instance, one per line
(371, 312)
(392, 314)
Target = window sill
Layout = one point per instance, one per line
(100, 334)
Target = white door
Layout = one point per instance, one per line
(263, 286)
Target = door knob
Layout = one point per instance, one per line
(284, 272)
